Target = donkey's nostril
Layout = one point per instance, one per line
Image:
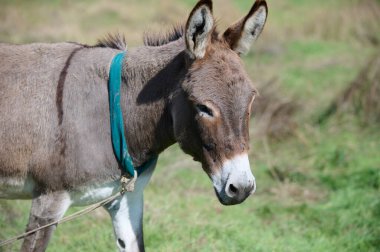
(233, 189)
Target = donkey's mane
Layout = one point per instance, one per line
(118, 41)
(115, 41)
(163, 38)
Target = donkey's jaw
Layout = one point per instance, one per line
(235, 181)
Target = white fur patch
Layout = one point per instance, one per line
(97, 192)
(94, 193)
(236, 170)
(127, 212)
(123, 223)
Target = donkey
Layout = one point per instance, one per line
(188, 86)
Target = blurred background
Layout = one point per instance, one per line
(315, 133)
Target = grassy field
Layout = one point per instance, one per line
(318, 183)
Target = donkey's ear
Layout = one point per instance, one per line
(198, 29)
(242, 34)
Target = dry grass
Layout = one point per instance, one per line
(292, 193)
(82, 21)
(359, 21)
(85, 22)
(361, 97)
(274, 114)
(341, 20)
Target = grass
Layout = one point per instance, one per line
(318, 189)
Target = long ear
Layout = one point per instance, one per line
(198, 29)
(242, 34)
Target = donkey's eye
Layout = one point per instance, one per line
(203, 110)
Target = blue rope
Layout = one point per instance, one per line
(119, 143)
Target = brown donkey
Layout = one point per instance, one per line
(188, 87)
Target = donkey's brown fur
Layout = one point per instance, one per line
(188, 87)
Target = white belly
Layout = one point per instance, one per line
(16, 188)
(94, 193)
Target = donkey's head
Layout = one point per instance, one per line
(217, 94)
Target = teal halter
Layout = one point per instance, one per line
(119, 143)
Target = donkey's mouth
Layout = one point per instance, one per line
(225, 200)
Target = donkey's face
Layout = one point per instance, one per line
(218, 96)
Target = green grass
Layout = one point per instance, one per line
(318, 189)
(328, 201)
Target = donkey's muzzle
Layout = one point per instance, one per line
(238, 193)
(235, 182)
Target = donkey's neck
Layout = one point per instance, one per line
(151, 75)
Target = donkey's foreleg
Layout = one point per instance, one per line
(126, 213)
(46, 208)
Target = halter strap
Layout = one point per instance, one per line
(119, 143)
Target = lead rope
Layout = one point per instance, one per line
(127, 185)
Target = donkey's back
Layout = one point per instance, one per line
(29, 76)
